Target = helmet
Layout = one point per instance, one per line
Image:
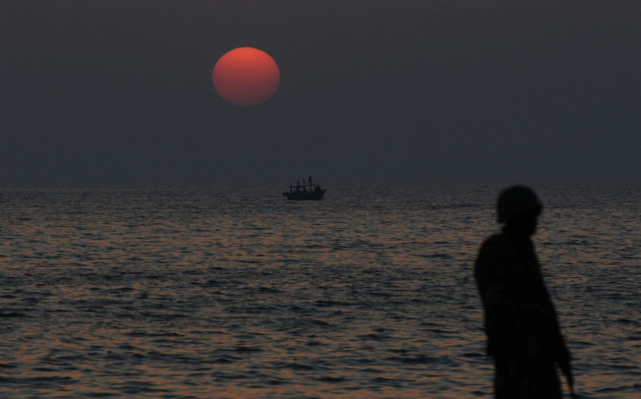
(516, 199)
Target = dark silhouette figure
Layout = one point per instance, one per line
(523, 334)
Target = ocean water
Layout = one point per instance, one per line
(236, 293)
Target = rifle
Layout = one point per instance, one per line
(566, 369)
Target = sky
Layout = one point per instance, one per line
(107, 93)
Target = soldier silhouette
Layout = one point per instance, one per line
(523, 334)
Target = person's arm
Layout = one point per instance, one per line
(560, 350)
(490, 273)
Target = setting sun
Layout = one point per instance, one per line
(246, 76)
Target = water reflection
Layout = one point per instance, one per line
(213, 293)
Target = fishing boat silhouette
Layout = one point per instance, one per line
(305, 192)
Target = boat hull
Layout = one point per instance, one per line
(305, 195)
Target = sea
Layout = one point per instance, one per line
(234, 292)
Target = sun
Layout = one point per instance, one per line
(246, 76)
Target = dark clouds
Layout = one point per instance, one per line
(122, 96)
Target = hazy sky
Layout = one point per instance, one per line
(371, 91)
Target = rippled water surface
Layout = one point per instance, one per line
(236, 293)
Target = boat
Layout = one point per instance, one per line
(305, 192)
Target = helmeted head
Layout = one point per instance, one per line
(517, 200)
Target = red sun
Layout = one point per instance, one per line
(246, 76)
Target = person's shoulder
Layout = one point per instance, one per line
(493, 242)
(491, 260)
(492, 248)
